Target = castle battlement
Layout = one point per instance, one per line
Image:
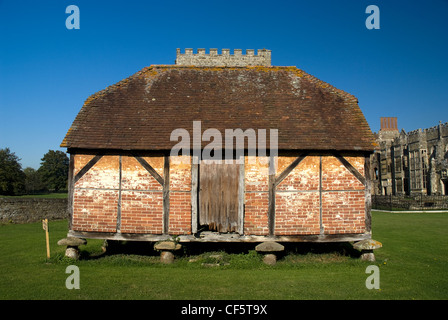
(435, 128)
(214, 59)
(440, 128)
(414, 132)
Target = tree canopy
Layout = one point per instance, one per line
(33, 181)
(12, 178)
(54, 170)
(52, 174)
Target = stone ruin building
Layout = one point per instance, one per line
(410, 163)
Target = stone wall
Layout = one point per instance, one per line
(27, 210)
(237, 59)
(416, 202)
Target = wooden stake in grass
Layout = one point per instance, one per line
(47, 236)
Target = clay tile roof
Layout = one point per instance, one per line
(140, 112)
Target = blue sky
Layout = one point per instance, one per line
(48, 71)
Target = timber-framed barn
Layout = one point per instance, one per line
(126, 184)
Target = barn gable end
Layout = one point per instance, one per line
(125, 183)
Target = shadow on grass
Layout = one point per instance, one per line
(112, 248)
(146, 249)
(340, 248)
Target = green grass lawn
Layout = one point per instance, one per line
(413, 264)
(56, 195)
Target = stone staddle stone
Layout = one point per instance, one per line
(167, 246)
(166, 257)
(367, 247)
(368, 244)
(72, 242)
(368, 255)
(269, 246)
(72, 253)
(270, 259)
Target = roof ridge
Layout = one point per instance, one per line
(326, 85)
(301, 73)
(133, 93)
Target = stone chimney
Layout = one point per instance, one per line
(225, 59)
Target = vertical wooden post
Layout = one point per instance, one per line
(119, 194)
(321, 225)
(194, 194)
(241, 191)
(368, 193)
(47, 236)
(271, 201)
(71, 190)
(166, 194)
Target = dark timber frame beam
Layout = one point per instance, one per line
(368, 188)
(87, 167)
(166, 194)
(119, 194)
(321, 225)
(221, 237)
(72, 179)
(241, 192)
(271, 199)
(274, 182)
(288, 170)
(71, 189)
(366, 180)
(165, 183)
(350, 168)
(194, 193)
(150, 169)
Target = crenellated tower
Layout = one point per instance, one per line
(224, 59)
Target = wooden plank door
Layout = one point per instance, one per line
(218, 196)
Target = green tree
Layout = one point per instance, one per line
(12, 178)
(33, 181)
(54, 170)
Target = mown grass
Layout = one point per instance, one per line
(56, 195)
(413, 265)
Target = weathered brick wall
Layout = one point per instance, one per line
(297, 198)
(141, 196)
(97, 193)
(180, 196)
(343, 212)
(301, 198)
(256, 196)
(343, 197)
(27, 210)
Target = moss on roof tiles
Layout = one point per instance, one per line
(214, 87)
